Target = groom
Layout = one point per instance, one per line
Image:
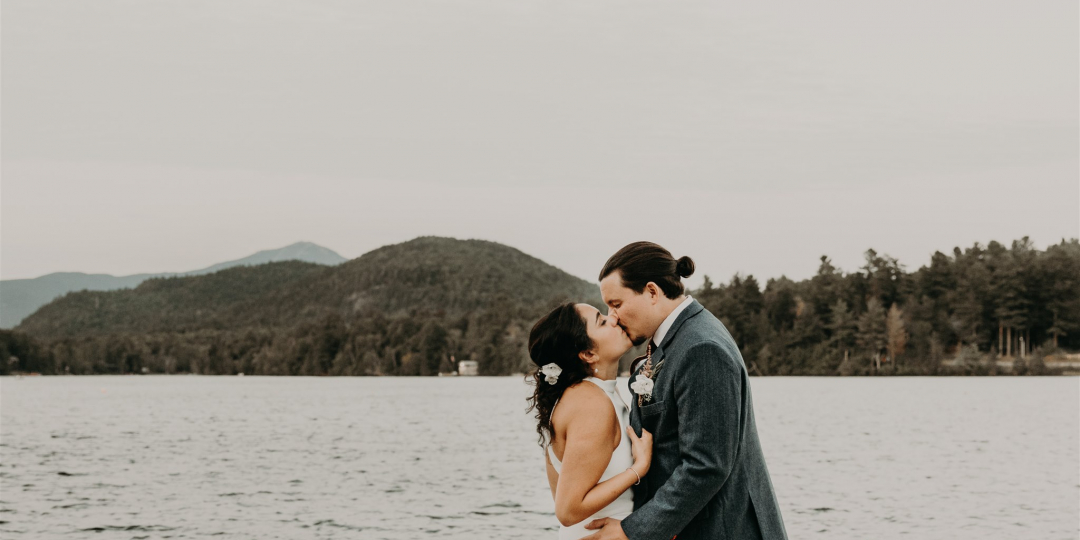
(708, 477)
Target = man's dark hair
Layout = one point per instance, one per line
(642, 262)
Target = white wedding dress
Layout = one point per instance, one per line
(621, 458)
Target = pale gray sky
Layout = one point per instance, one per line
(754, 137)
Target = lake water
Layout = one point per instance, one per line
(403, 458)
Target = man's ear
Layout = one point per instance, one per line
(654, 292)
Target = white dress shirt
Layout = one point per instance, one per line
(662, 331)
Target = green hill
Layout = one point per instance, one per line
(400, 309)
(228, 299)
(425, 276)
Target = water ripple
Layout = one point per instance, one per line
(397, 458)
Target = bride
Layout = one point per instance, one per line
(593, 455)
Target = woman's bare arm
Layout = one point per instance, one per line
(552, 474)
(589, 418)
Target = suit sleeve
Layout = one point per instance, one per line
(708, 395)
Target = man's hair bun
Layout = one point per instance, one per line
(641, 263)
(684, 267)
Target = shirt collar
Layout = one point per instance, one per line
(658, 337)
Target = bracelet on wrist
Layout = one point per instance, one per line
(635, 474)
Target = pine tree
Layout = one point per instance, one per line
(872, 335)
(841, 326)
(897, 335)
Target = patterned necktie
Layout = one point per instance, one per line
(647, 370)
(640, 361)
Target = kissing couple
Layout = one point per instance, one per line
(682, 459)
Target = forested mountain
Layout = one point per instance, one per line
(238, 297)
(21, 297)
(400, 309)
(408, 309)
(973, 306)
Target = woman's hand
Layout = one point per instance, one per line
(641, 448)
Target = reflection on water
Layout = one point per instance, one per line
(255, 457)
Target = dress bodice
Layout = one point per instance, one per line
(621, 458)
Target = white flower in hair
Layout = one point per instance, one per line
(551, 372)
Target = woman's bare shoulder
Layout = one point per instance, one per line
(586, 396)
(583, 414)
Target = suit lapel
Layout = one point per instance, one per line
(635, 416)
(657, 355)
(693, 309)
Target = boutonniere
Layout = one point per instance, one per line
(656, 370)
(643, 385)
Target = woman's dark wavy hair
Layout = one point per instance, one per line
(558, 337)
(642, 262)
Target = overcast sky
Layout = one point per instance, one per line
(754, 137)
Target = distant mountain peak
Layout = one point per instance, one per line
(21, 297)
(300, 251)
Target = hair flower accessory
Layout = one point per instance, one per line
(551, 372)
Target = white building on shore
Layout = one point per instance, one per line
(468, 367)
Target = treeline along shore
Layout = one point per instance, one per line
(418, 307)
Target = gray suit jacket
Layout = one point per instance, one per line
(708, 477)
